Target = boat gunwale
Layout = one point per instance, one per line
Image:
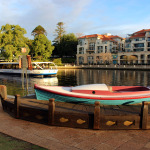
(90, 96)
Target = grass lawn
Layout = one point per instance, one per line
(10, 143)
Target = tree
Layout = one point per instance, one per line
(79, 35)
(38, 30)
(106, 57)
(12, 40)
(42, 47)
(59, 32)
(30, 45)
(67, 46)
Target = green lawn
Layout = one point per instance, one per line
(10, 143)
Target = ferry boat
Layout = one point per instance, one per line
(38, 68)
(107, 95)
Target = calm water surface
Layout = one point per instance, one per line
(73, 77)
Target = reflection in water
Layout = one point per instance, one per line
(109, 77)
(73, 77)
(14, 84)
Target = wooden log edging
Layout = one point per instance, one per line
(51, 111)
(144, 115)
(79, 119)
(16, 105)
(3, 91)
(97, 116)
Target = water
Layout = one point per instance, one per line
(73, 77)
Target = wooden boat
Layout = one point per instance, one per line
(109, 95)
(37, 69)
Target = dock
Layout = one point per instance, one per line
(74, 115)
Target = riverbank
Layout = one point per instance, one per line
(107, 67)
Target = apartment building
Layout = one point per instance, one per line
(137, 48)
(99, 49)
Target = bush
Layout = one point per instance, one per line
(57, 61)
(68, 60)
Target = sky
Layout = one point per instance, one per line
(118, 17)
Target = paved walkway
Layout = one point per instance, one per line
(60, 138)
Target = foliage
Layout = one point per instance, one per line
(12, 40)
(57, 61)
(106, 57)
(59, 32)
(30, 45)
(42, 48)
(79, 35)
(38, 30)
(67, 47)
(68, 60)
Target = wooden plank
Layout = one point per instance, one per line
(33, 114)
(16, 105)
(144, 115)
(51, 111)
(74, 120)
(3, 91)
(97, 115)
(120, 122)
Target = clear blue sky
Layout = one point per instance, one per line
(118, 17)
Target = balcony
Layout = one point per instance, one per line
(138, 47)
(81, 52)
(90, 51)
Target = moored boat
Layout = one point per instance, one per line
(38, 69)
(109, 95)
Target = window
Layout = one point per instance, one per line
(105, 42)
(128, 45)
(137, 39)
(92, 46)
(139, 45)
(142, 56)
(81, 50)
(99, 47)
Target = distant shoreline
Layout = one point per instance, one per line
(108, 67)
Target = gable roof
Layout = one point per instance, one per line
(142, 31)
(138, 35)
(90, 36)
(103, 37)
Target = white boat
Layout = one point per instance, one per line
(90, 93)
(39, 68)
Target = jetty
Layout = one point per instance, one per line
(74, 115)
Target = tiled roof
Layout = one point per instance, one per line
(138, 35)
(142, 31)
(90, 36)
(115, 36)
(103, 37)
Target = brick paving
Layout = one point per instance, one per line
(56, 138)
